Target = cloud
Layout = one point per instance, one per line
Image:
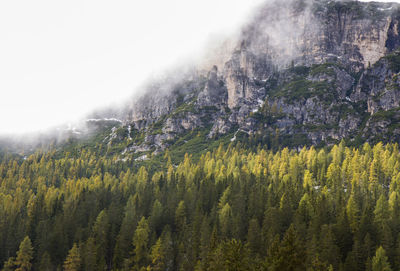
(60, 60)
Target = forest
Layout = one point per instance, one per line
(332, 208)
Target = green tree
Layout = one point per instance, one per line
(124, 239)
(292, 251)
(231, 256)
(155, 220)
(353, 213)
(318, 265)
(381, 212)
(24, 255)
(158, 256)
(73, 260)
(140, 243)
(225, 219)
(380, 261)
(289, 255)
(100, 236)
(9, 265)
(180, 217)
(329, 251)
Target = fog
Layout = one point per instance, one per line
(60, 60)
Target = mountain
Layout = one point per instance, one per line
(299, 73)
(230, 163)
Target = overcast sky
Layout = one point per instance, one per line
(61, 59)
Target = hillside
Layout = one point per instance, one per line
(301, 74)
(278, 151)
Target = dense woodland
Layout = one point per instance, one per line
(336, 208)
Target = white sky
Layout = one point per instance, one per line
(61, 59)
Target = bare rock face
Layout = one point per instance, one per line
(214, 91)
(380, 85)
(237, 80)
(320, 70)
(356, 34)
(220, 126)
(242, 73)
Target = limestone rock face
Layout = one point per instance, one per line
(356, 33)
(214, 91)
(241, 74)
(311, 72)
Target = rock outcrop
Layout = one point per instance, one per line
(305, 72)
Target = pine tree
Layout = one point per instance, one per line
(353, 213)
(100, 237)
(236, 256)
(168, 248)
(158, 256)
(380, 261)
(292, 251)
(308, 182)
(225, 218)
(231, 256)
(124, 239)
(381, 212)
(289, 255)
(73, 260)
(155, 220)
(9, 265)
(24, 255)
(140, 243)
(329, 251)
(318, 265)
(180, 217)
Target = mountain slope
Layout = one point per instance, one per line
(120, 192)
(301, 73)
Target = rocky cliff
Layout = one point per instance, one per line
(301, 73)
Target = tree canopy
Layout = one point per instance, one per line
(233, 208)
